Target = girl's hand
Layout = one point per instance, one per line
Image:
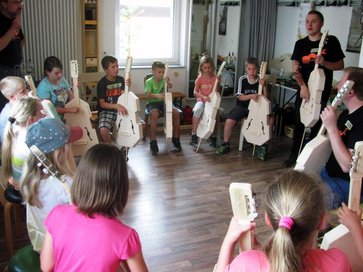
(206, 98)
(128, 82)
(236, 230)
(349, 218)
(73, 109)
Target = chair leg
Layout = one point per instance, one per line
(8, 228)
(241, 137)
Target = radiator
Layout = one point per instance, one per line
(51, 28)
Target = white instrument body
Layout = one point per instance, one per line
(340, 237)
(208, 119)
(256, 129)
(81, 118)
(316, 152)
(128, 129)
(50, 110)
(310, 110)
(244, 209)
(168, 110)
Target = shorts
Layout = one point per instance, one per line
(155, 106)
(237, 113)
(107, 119)
(198, 109)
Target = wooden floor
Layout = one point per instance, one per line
(179, 202)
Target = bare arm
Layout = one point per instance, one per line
(336, 65)
(226, 254)
(105, 105)
(8, 36)
(47, 254)
(137, 263)
(341, 152)
(352, 220)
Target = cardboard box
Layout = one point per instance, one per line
(289, 131)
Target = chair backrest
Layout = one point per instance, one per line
(147, 77)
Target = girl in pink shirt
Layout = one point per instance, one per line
(295, 210)
(87, 236)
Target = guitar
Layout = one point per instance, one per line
(310, 109)
(128, 129)
(50, 110)
(244, 209)
(340, 237)
(208, 118)
(81, 118)
(257, 129)
(168, 109)
(316, 152)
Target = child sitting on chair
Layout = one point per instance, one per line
(247, 90)
(88, 236)
(295, 210)
(154, 88)
(109, 88)
(203, 88)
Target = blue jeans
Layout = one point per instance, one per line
(339, 189)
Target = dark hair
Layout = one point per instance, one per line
(318, 13)
(356, 74)
(50, 63)
(251, 60)
(101, 183)
(107, 60)
(157, 64)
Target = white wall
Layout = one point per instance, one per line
(337, 21)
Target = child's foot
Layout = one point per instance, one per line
(194, 140)
(222, 149)
(154, 147)
(176, 143)
(213, 141)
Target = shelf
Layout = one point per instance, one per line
(90, 36)
(90, 22)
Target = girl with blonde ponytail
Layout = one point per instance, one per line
(295, 210)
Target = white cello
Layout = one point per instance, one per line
(81, 118)
(257, 129)
(340, 237)
(168, 109)
(128, 129)
(316, 152)
(50, 110)
(310, 109)
(208, 118)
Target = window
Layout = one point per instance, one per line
(152, 30)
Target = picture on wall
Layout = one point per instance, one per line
(223, 21)
(356, 30)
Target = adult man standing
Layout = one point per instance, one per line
(11, 40)
(304, 58)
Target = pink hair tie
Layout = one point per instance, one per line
(286, 222)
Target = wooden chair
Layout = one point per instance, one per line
(147, 113)
(10, 229)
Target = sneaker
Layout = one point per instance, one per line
(261, 152)
(222, 149)
(176, 143)
(194, 140)
(124, 152)
(213, 141)
(154, 147)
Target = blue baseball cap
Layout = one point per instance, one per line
(49, 134)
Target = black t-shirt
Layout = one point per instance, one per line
(305, 53)
(11, 55)
(110, 90)
(245, 88)
(354, 121)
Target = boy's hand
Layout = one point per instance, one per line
(262, 81)
(255, 97)
(349, 218)
(304, 92)
(159, 96)
(121, 110)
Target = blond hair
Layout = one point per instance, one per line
(299, 196)
(22, 109)
(11, 85)
(62, 158)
